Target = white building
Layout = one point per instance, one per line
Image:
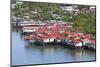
(30, 29)
(19, 2)
(92, 8)
(13, 6)
(67, 8)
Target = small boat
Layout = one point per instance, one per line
(74, 44)
(91, 44)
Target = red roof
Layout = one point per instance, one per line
(88, 36)
(93, 42)
(69, 32)
(76, 41)
(42, 29)
(52, 36)
(75, 35)
(69, 38)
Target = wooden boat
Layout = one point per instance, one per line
(91, 44)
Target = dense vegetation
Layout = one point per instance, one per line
(44, 10)
(84, 22)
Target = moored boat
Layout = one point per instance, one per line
(91, 44)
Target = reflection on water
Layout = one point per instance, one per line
(24, 53)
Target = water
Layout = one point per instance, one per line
(21, 55)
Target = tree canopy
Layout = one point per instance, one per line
(85, 23)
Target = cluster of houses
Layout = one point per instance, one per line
(74, 9)
(55, 33)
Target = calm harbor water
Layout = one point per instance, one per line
(21, 55)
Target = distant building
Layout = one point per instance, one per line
(13, 6)
(14, 2)
(19, 2)
(92, 9)
(29, 29)
(68, 8)
(76, 11)
(56, 16)
(34, 12)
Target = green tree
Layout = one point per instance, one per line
(85, 23)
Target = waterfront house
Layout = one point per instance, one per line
(30, 29)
